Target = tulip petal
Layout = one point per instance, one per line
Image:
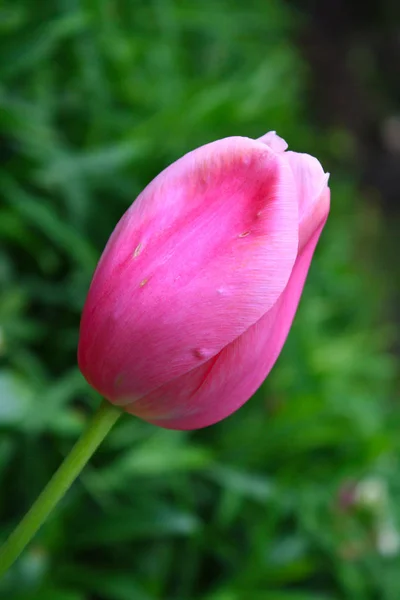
(219, 387)
(202, 254)
(313, 197)
(274, 141)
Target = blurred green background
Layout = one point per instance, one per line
(297, 495)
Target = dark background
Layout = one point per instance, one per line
(297, 495)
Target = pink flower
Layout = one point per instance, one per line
(197, 288)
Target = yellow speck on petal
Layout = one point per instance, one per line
(143, 282)
(244, 234)
(137, 250)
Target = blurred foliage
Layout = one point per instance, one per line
(296, 496)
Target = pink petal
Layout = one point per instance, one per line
(313, 193)
(202, 254)
(311, 182)
(219, 387)
(274, 141)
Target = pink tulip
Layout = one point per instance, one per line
(196, 290)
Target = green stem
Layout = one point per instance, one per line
(101, 423)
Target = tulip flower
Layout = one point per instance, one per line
(197, 288)
(194, 295)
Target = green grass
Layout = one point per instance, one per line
(96, 97)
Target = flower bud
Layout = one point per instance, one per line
(197, 288)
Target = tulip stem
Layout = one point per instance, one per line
(101, 423)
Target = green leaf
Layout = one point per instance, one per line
(151, 521)
(111, 584)
(16, 398)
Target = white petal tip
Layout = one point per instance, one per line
(274, 141)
